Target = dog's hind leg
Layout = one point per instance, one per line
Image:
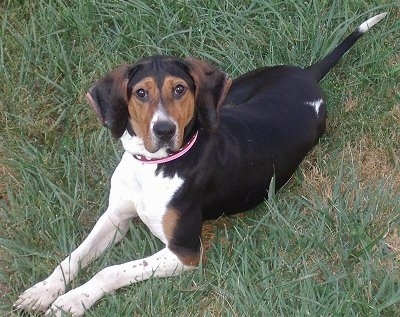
(161, 264)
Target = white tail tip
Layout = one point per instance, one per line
(364, 27)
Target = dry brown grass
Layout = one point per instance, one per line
(2, 185)
(316, 178)
(350, 104)
(392, 240)
(208, 232)
(373, 164)
(4, 289)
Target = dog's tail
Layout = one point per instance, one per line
(321, 68)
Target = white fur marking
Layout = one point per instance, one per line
(364, 27)
(315, 104)
(155, 195)
(135, 145)
(114, 277)
(135, 190)
(159, 115)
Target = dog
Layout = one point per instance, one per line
(197, 145)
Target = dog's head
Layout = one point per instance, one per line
(153, 104)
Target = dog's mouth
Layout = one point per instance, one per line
(169, 147)
(170, 155)
(137, 146)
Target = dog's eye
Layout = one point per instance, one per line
(141, 93)
(179, 90)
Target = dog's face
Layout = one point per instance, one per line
(153, 104)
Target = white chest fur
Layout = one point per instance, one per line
(136, 184)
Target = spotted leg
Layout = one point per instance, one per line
(78, 300)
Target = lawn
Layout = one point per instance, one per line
(327, 244)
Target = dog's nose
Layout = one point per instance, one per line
(164, 130)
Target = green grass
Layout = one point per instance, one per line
(325, 245)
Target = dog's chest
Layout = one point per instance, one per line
(150, 192)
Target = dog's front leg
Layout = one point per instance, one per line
(76, 301)
(110, 228)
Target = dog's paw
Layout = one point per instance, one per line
(39, 297)
(75, 302)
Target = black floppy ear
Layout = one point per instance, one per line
(109, 100)
(212, 85)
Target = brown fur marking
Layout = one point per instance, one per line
(181, 109)
(169, 222)
(141, 112)
(190, 259)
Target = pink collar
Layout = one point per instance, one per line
(170, 157)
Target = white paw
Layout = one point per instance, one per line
(39, 297)
(75, 302)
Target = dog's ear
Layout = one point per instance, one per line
(211, 87)
(109, 100)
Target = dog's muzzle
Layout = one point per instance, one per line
(164, 130)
